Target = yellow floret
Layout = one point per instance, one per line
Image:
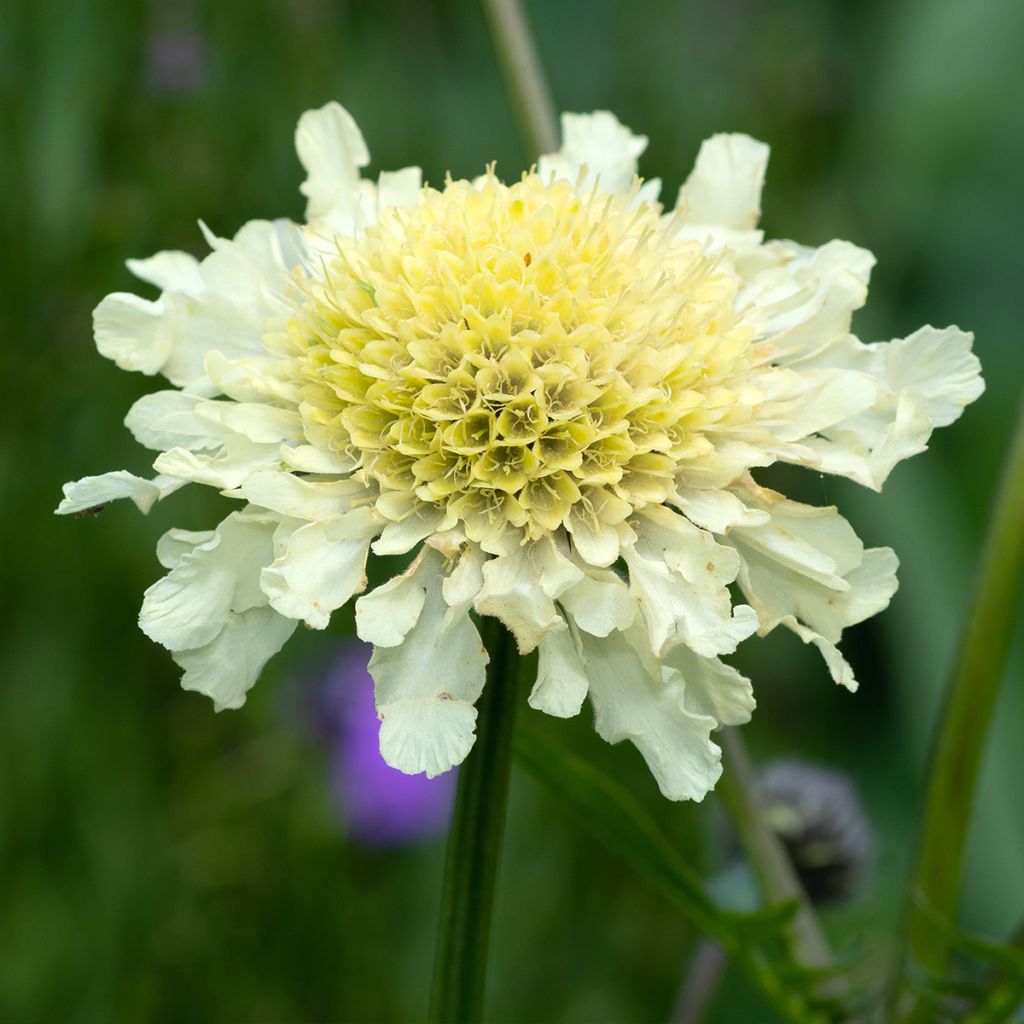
(522, 355)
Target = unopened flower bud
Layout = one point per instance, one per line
(818, 815)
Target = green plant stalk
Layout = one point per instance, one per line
(524, 79)
(768, 857)
(611, 812)
(960, 740)
(474, 843)
(1005, 989)
(700, 985)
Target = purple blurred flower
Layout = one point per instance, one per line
(380, 805)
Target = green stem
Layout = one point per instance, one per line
(704, 976)
(934, 889)
(768, 857)
(615, 817)
(524, 77)
(474, 844)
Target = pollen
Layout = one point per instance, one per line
(519, 357)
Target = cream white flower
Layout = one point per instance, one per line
(552, 395)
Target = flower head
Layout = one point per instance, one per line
(552, 394)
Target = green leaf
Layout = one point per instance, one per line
(1003, 998)
(994, 992)
(611, 812)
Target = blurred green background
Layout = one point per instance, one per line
(162, 863)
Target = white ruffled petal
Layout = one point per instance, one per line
(423, 734)
(597, 547)
(178, 271)
(725, 463)
(810, 402)
(261, 424)
(711, 687)
(807, 570)
(227, 468)
(290, 495)
(716, 510)
(600, 603)
(925, 381)
(465, 581)
(520, 586)
(243, 280)
(385, 616)
(632, 702)
(323, 565)
(190, 606)
(937, 366)
(424, 520)
(256, 256)
(175, 544)
(399, 188)
(226, 668)
(561, 685)
(132, 332)
(168, 419)
(680, 578)
(305, 458)
(254, 378)
(93, 492)
(332, 151)
(239, 286)
(593, 526)
(725, 185)
(605, 147)
(838, 667)
(868, 448)
(803, 302)
(816, 542)
(426, 687)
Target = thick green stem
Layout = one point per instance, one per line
(474, 844)
(524, 78)
(768, 857)
(934, 890)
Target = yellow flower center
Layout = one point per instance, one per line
(519, 355)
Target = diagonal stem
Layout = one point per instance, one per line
(474, 844)
(934, 889)
(702, 980)
(524, 78)
(768, 857)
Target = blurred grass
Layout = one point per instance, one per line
(162, 863)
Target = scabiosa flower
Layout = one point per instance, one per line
(552, 393)
(381, 806)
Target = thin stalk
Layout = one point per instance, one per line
(934, 889)
(768, 857)
(702, 980)
(524, 78)
(474, 844)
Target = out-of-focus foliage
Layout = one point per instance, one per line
(163, 863)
